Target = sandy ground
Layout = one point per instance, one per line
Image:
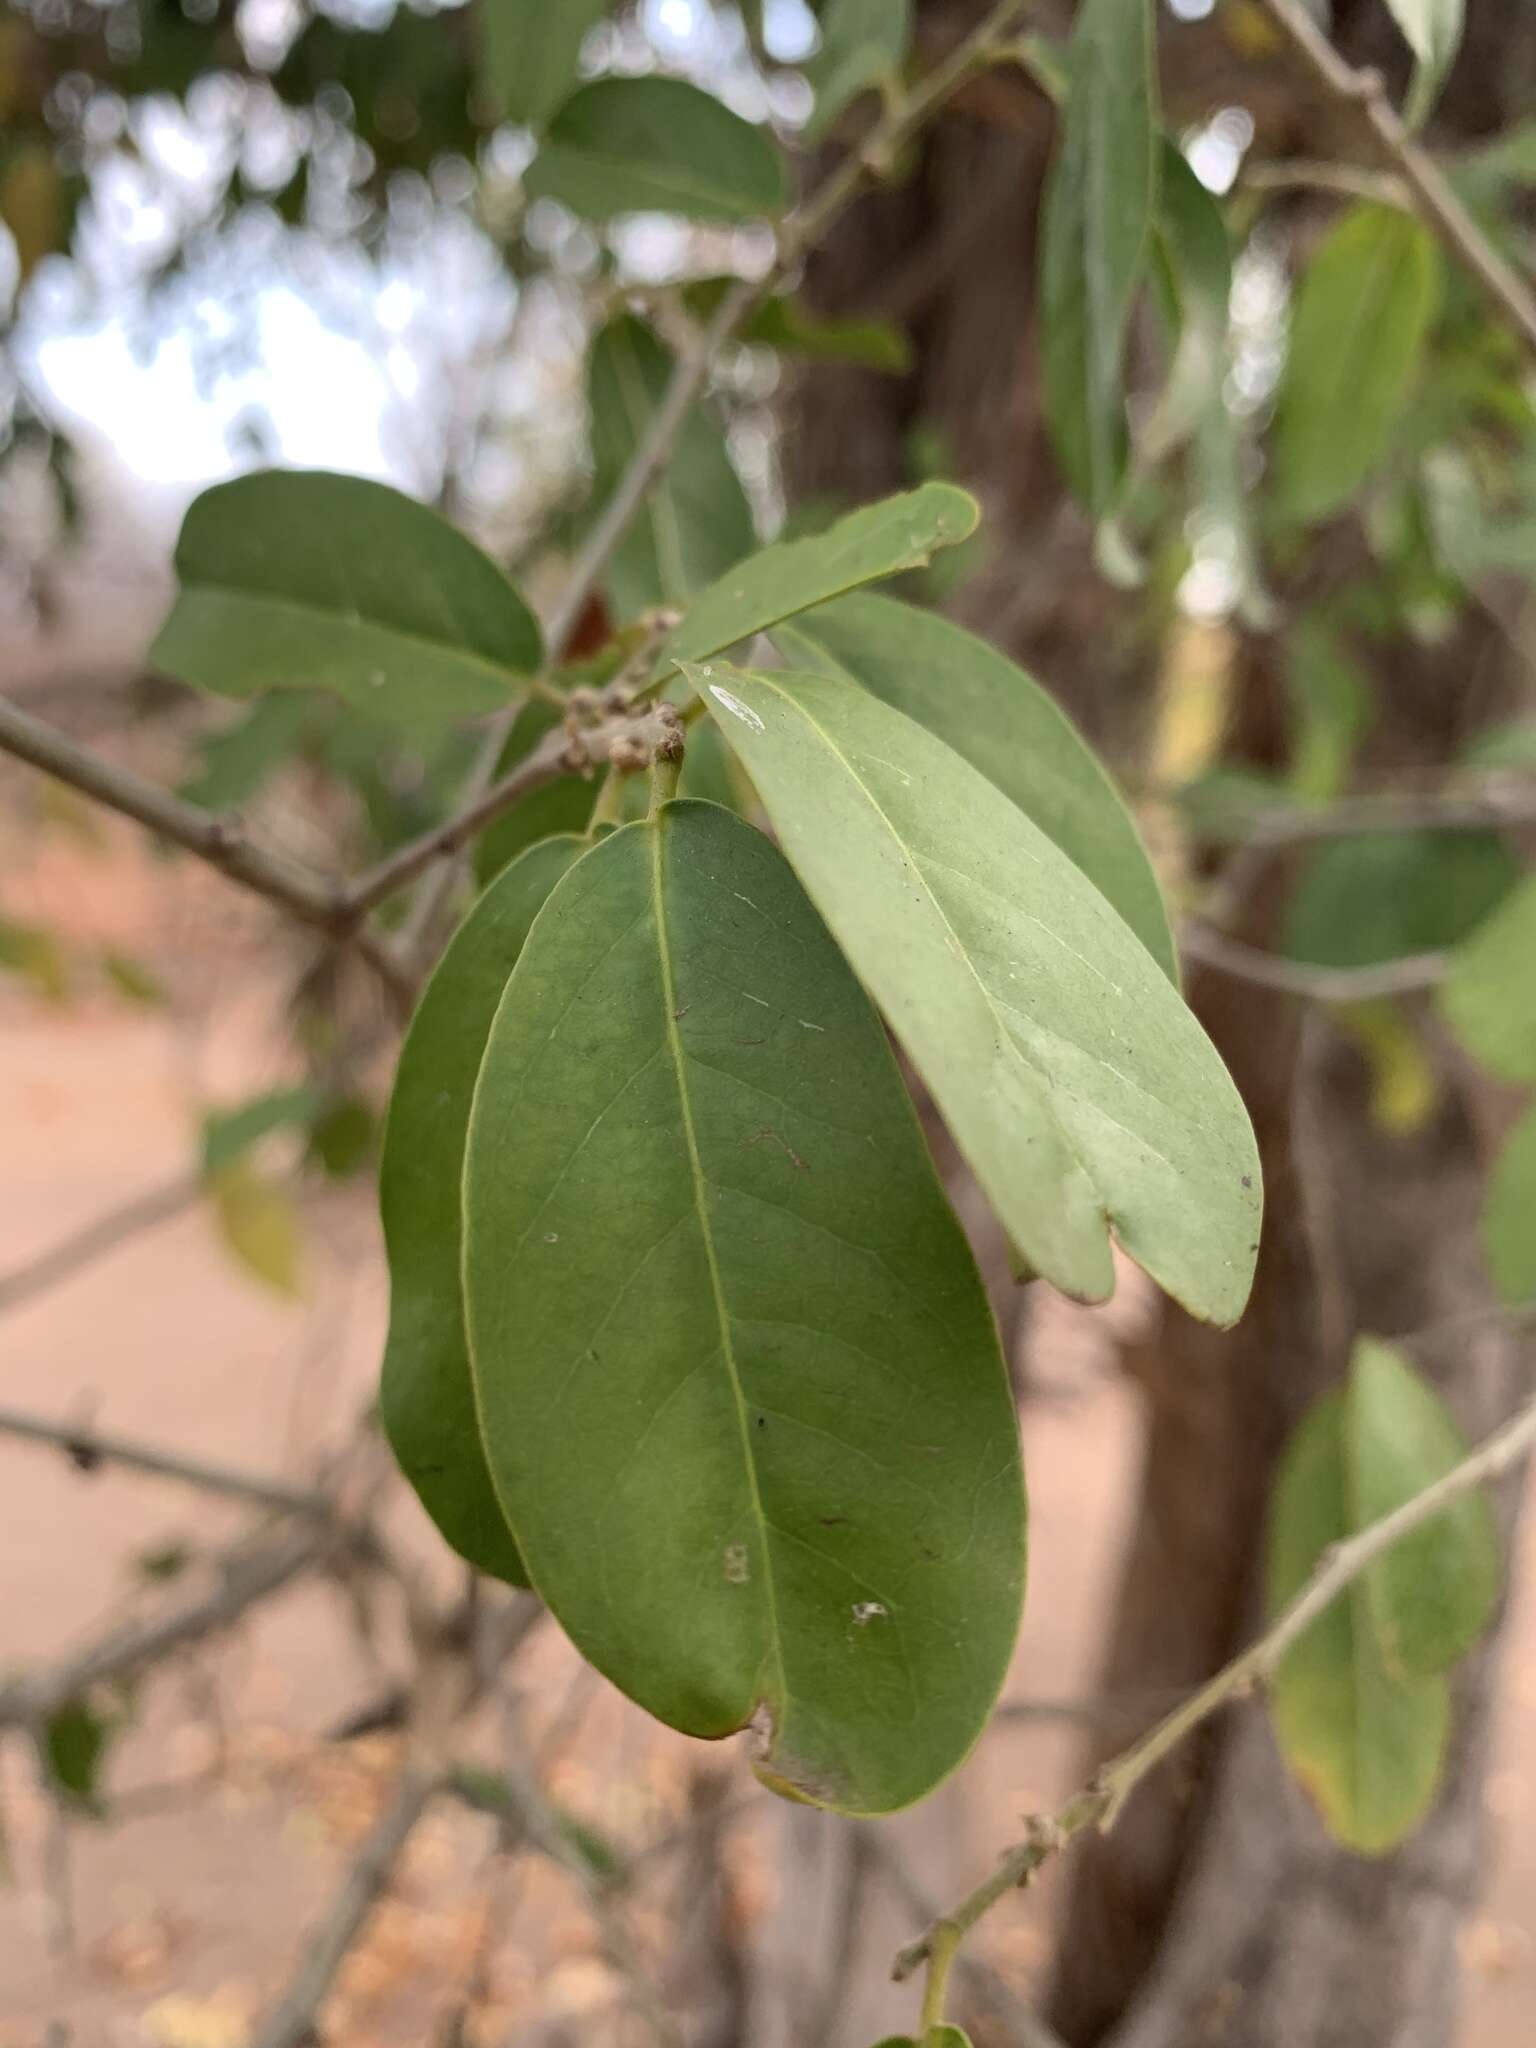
(169, 1925)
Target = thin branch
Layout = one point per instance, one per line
(63, 1260)
(249, 1576)
(1411, 975)
(292, 2021)
(1100, 1802)
(1433, 197)
(1344, 181)
(1500, 802)
(88, 1447)
(218, 840)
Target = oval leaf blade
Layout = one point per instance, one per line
(1073, 1078)
(1002, 722)
(656, 145)
(1434, 1592)
(1509, 1217)
(530, 50)
(426, 1396)
(1363, 313)
(302, 580)
(1367, 1746)
(1489, 996)
(695, 521)
(738, 1380)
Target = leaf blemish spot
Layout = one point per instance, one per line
(735, 707)
(738, 1566)
(866, 1611)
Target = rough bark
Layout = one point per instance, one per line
(1217, 1913)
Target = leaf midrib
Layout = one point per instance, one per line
(655, 827)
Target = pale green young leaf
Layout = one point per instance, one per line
(301, 580)
(1489, 996)
(878, 541)
(738, 1381)
(695, 522)
(529, 51)
(1509, 1216)
(1367, 1746)
(863, 44)
(1002, 722)
(1432, 30)
(426, 1397)
(1073, 1078)
(1099, 206)
(1433, 1593)
(1363, 313)
(656, 145)
(259, 1225)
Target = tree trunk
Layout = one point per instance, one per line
(1217, 1912)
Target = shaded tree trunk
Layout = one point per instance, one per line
(1217, 1913)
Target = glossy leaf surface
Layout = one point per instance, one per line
(1075, 1081)
(304, 580)
(739, 1384)
(426, 1395)
(1002, 722)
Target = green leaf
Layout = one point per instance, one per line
(783, 323)
(1002, 722)
(529, 51)
(1434, 1592)
(564, 805)
(695, 522)
(1384, 895)
(133, 981)
(1078, 1086)
(863, 43)
(237, 762)
(1432, 30)
(656, 145)
(74, 1742)
(260, 1226)
(738, 1379)
(426, 1395)
(342, 1137)
(228, 1134)
(885, 539)
(1366, 1746)
(1509, 1216)
(300, 580)
(1099, 203)
(1362, 317)
(36, 955)
(1489, 996)
(1192, 243)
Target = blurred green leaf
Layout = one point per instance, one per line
(696, 521)
(1197, 259)
(1365, 1745)
(74, 1743)
(1433, 1594)
(1380, 896)
(1099, 206)
(228, 1134)
(342, 1137)
(237, 762)
(656, 145)
(1509, 1216)
(36, 955)
(1362, 316)
(1489, 997)
(259, 1224)
(408, 621)
(1332, 709)
(863, 43)
(1432, 29)
(133, 981)
(783, 323)
(530, 50)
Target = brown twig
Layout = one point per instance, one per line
(89, 1447)
(63, 1260)
(1433, 197)
(292, 2021)
(1410, 975)
(1100, 1802)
